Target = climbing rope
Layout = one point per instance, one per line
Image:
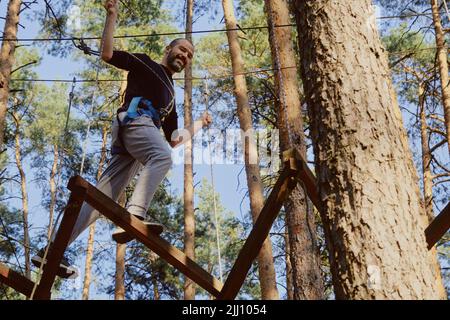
(93, 99)
(44, 258)
(216, 220)
(52, 227)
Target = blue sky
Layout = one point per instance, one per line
(226, 176)
(57, 68)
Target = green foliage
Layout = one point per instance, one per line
(10, 252)
(231, 239)
(146, 272)
(416, 58)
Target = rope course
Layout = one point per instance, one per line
(230, 75)
(52, 227)
(93, 99)
(177, 79)
(295, 171)
(81, 43)
(213, 185)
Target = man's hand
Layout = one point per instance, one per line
(189, 132)
(111, 7)
(206, 119)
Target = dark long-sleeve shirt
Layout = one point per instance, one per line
(142, 82)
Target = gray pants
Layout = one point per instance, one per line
(148, 151)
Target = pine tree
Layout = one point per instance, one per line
(372, 212)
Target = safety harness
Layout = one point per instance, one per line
(138, 107)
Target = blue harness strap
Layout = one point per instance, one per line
(132, 111)
(138, 106)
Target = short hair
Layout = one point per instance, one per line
(175, 42)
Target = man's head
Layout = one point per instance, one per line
(178, 55)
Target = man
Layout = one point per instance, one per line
(137, 143)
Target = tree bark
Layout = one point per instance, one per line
(266, 267)
(153, 257)
(119, 292)
(7, 59)
(426, 157)
(372, 212)
(53, 173)
(90, 244)
(304, 251)
(427, 180)
(189, 219)
(442, 56)
(23, 188)
(289, 280)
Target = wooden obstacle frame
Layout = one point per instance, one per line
(295, 170)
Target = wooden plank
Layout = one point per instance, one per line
(283, 187)
(15, 280)
(438, 227)
(305, 175)
(58, 247)
(132, 225)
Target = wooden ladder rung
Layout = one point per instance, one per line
(296, 161)
(283, 187)
(16, 281)
(438, 227)
(59, 246)
(134, 226)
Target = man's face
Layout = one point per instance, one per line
(179, 56)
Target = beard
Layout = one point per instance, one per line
(175, 63)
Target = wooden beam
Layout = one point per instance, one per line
(283, 187)
(15, 280)
(438, 227)
(304, 174)
(59, 246)
(134, 226)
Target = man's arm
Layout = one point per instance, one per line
(111, 7)
(191, 131)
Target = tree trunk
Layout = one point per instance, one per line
(372, 212)
(265, 258)
(189, 219)
(7, 59)
(90, 244)
(119, 293)
(304, 251)
(289, 280)
(426, 157)
(23, 186)
(53, 190)
(428, 181)
(153, 257)
(442, 56)
(156, 295)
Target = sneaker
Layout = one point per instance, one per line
(65, 270)
(121, 236)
